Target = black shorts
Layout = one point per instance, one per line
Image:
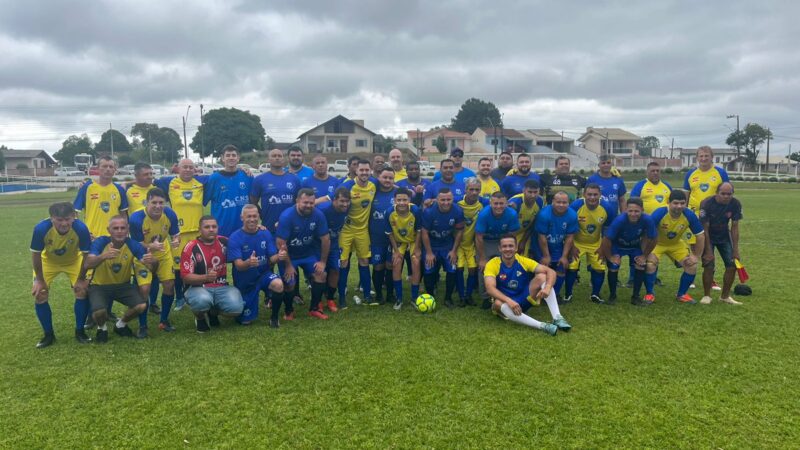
(100, 296)
(725, 250)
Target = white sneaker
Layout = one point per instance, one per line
(398, 305)
(357, 300)
(729, 300)
(692, 286)
(706, 300)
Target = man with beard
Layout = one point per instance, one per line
(460, 172)
(488, 184)
(716, 213)
(321, 183)
(514, 184)
(448, 180)
(335, 212)
(562, 180)
(504, 164)
(594, 214)
(612, 187)
(380, 247)
(442, 229)
(296, 166)
(414, 183)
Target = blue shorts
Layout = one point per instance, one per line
(441, 261)
(307, 264)
(522, 297)
(632, 252)
(381, 254)
(725, 250)
(250, 296)
(333, 259)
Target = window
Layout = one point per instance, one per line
(361, 142)
(332, 143)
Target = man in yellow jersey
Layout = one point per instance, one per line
(653, 191)
(355, 235)
(396, 162)
(402, 226)
(112, 259)
(703, 180)
(527, 205)
(488, 184)
(471, 205)
(594, 214)
(59, 245)
(137, 192)
(102, 199)
(673, 222)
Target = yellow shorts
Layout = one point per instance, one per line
(404, 248)
(675, 252)
(466, 257)
(164, 269)
(50, 272)
(594, 260)
(176, 252)
(357, 240)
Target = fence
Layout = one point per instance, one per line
(11, 184)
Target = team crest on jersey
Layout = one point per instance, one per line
(452, 222)
(704, 187)
(513, 284)
(187, 195)
(242, 185)
(263, 244)
(468, 221)
(289, 185)
(142, 273)
(60, 251)
(403, 232)
(502, 276)
(105, 206)
(591, 229)
(116, 267)
(312, 226)
(659, 198)
(364, 203)
(671, 235)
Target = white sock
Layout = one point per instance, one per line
(121, 323)
(523, 318)
(103, 327)
(552, 304)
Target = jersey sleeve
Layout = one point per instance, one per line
(136, 223)
(136, 249)
(667, 185)
(272, 250)
(541, 223)
(123, 204)
(163, 184)
(650, 227)
(284, 227)
(427, 218)
(492, 267)
(39, 233)
(613, 230)
(572, 222)
(429, 192)
(99, 245)
(84, 237)
(173, 222)
(209, 188)
(459, 217)
(576, 205)
(686, 179)
(80, 199)
(659, 214)
(737, 212)
(622, 190)
(723, 174)
(637, 188)
(418, 217)
(480, 223)
(694, 222)
(235, 247)
(513, 223)
(611, 212)
(255, 188)
(528, 264)
(322, 229)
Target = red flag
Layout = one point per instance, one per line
(743, 275)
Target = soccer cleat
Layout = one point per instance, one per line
(123, 331)
(372, 301)
(649, 299)
(597, 299)
(562, 324)
(612, 300)
(565, 301)
(155, 309)
(289, 317)
(397, 305)
(550, 329)
(201, 325)
(179, 302)
(101, 337)
(637, 301)
(47, 340)
(356, 300)
(462, 303)
(213, 320)
(706, 300)
(486, 304)
(686, 299)
(449, 303)
(274, 323)
(332, 306)
(166, 327)
(318, 314)
(82, 337)
(141, 333)
(469, 301)
(729, 300)
(715, 286)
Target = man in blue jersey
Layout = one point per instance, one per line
(276, 190)
(505, 162)
(59, 245)
(448, 181)
(380, 247)
(296, 166)
(335, 212)
(555, 226)
(632, 233)
(514, 183)
(460, 172)
(321, 183)
(612, 187)
(303, 232)
(228, 190)
(442, 228)
(493, 223)
(252, 251)
(414, 183)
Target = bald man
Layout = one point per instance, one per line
(396, 162)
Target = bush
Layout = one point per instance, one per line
(738, 178)
(773, 179)
(581, 172)
(669, 170)
(22, 166)
(791, 180)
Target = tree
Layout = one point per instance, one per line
(72, 146)
(440, 144)
(269, 144)
(147, 132)
(383, 144)
(3, 148)
(121, 144)
(646, 146)
(225, 126)
(751, 137)
(476, 113)
(165, 143)
(795, 156)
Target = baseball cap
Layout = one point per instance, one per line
(456, 152)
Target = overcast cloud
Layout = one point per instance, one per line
(671, 69)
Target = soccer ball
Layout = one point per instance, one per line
(425, 303)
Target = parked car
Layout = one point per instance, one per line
(126, 170)
(263, 168)
(338, 166)
(69, 172)
(426, 169)
(159, 170)
(246, 167)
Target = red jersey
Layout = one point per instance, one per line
(199, 258)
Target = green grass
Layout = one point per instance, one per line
(666, 376)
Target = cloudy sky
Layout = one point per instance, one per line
(673, 69)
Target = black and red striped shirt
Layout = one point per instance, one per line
(199, 258)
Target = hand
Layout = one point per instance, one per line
(283, 255)
(148, 258)
(640, 261)
(574, 253)
(564, 262)
(262, 227)
(419, 189)
(211, 276)
(453, 257)
(397, 258)
(81, 288)
(689, 260)
(545, 261)
(176, 241)
(39, 290)
(430, 259)
(515, 308)
(156, 246)
(109, 253)
(544, 291)
(289, 274)
(253, 260)
(736, 255)
(615, 259)
(482, 265)
(319, 267)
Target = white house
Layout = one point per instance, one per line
(338, 135)
(615, 141)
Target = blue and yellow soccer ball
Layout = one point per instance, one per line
(425, 303)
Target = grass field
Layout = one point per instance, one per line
(667, 376)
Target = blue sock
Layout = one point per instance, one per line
(366, 283)
(143, 319)
(559, 283)
(154, 290)
(649, 282)
(571, 277)
(472, 282)
(81, 308)
(686, 281)
(343, 273)
(45, 316)
(597, 281)
(460, 283)
(414, 292)
(398, 290)
(166, 306)
(613, 279)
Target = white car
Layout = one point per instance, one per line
(247, 167)
(159, 170)
(263, 168)
(69, 172)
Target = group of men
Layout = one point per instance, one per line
(526, 233)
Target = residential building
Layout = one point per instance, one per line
(338, 135)
(545, 139)
(615, 141)
(426, 140)
(29, 162)
(508, 139)
(722, 156)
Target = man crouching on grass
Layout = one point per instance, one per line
(516, 283)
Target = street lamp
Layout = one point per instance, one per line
(494, 134)
(185, 142)
(731, 116)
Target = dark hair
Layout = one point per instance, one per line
(605, 157)
(677, 194)
(295, 148)
(411, 163)
(523, 155)
(403, 191)
(561, 193)
(305, 192)
(353, 158)
(62, 209)
(207, 217)
(653, 163)
(635, 201)
(443, 190)
(156, 192)
(485, 158)
(499, 194)
(230, 148)
(441, 163)
(106, 158)
(385, 169)
(506, 152)
(509, 236)
(138, 167)
(341, 192)
(531, 184)
(363, 161)
(561, 158)
(592, 186)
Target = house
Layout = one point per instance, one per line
(338, 135)
(551, 140)
(426, 140)
(722, 156)
(29, 162)
(507, 139)
(615, 141)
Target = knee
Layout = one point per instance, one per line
(80, 292)
(100, 316)
(276, 286)
(169, 287)
(199, 299)
(140, 308)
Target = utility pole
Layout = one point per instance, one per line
(202, 140)
(111, 135)
(185, 142)
(671, 148)
(769, 137)
(150, 145)
(738, 145)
